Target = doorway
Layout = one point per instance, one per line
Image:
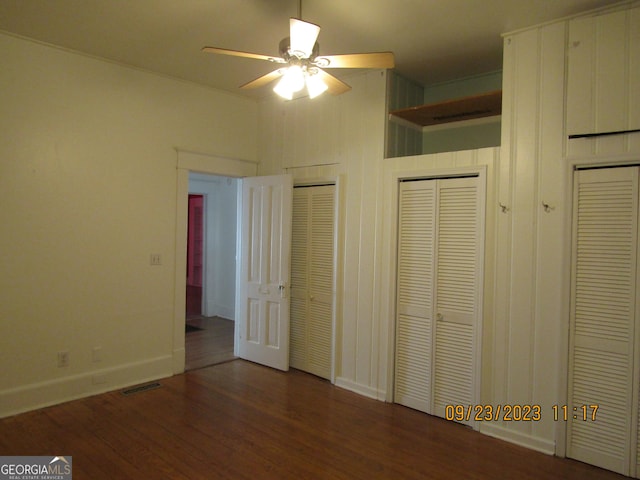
(194, 256)
(210, 270)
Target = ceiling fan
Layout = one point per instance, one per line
(302, 65)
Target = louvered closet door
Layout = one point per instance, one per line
(414, 305)
(457, 287)
(438, 293)
(312, 273)
(603, 361)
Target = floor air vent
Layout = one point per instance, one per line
(141, 388)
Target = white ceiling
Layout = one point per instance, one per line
(433, 40)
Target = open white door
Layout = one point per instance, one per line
(263, 301)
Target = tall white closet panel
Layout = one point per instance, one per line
(603, 84)
(312, 273)
(414, 310)
(437, 297)
(602, 410)
(456, 300)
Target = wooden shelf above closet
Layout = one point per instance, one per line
(476, 106)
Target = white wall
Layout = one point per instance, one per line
(87, 192)
(530, 300)
(221, 204)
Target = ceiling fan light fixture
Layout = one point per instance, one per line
(292, 81)
(303, 36)
(303, 65)
(315, 85)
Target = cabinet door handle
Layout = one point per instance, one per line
(439, 317)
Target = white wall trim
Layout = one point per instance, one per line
(222, 311)
(215, 164)
(52, 392)
(524, 440)
(596, 11)
(360, 389)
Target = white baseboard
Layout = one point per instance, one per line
(216, 310)
(51, 392)
(522, 439)
(179, 360)
(364, 390)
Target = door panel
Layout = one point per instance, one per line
(312, 279)
(457, 287)
(264, 272)
(604, 318)
(414, 322)
(438, 297)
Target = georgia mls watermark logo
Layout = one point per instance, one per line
(36, 468)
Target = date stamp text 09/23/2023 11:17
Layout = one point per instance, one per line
(519, 413)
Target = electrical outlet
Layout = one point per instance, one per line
(96, 354)
(63, 359)
(155, 259)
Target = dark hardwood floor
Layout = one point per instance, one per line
(239, 420)
(211, 344)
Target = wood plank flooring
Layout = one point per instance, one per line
(239, 420)
(210, 345)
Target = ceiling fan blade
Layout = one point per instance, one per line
(263, 80)
(238, 53)
(357, 60)
(303, 36)
(336, 86)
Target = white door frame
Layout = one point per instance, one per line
(572, 165)
(200, 163)
(428, 174)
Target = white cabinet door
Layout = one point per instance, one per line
(264, 272)
(603, 89)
